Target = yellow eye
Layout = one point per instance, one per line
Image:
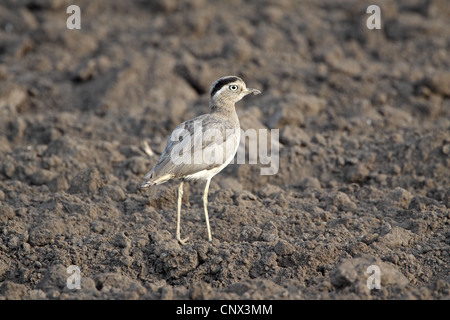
(233, 87)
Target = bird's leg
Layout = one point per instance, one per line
(205, 207)
(180, 197)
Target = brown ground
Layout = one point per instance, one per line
(364, 119)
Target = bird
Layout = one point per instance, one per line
(201, 147)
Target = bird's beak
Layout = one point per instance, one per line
(253, 91)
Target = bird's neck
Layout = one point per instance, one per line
(220, 107)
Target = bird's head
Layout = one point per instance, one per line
(230, 89)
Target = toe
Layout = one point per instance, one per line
(183, 241)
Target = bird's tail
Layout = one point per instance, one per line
(150, 180)
(146, 184)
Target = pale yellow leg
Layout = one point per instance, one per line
(180, 197)
(205, 207)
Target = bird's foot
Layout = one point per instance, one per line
(182, 241)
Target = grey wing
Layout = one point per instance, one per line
(164, 168)
(199, 144)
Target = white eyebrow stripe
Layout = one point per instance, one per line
(223, 88)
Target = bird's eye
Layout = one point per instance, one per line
(233, 87)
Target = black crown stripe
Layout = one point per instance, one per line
(222, 82)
